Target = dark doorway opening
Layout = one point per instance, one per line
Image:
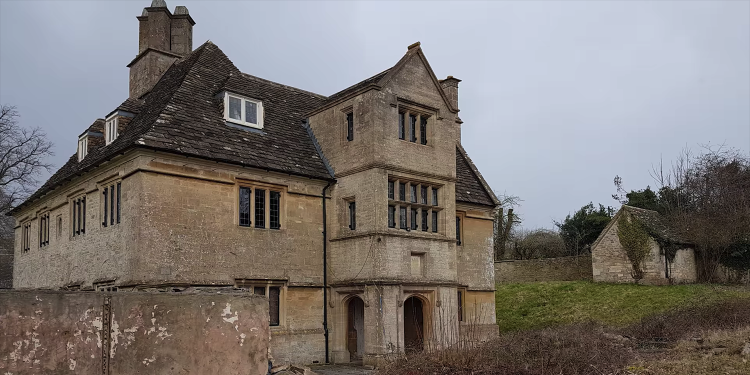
(413, 325)
(355, 331)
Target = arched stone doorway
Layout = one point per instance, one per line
(355, 328)
(413, 325)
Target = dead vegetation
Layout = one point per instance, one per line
(711, 339)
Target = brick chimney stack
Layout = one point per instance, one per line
(163, 38)
(450, 86)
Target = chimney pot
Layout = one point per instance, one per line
(450, 86)
(159, 4)
(181, 10)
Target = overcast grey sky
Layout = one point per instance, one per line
(557, 97)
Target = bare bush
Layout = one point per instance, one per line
(538, 243)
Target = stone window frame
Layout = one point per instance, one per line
(348, 130)
(460, 222)
(410, 204)
(111, 130)
(43, 228)
(244, 99)
(106, 212)
(269, 188)
(250, 286)
(414, 136)
(77, 215)
(26, 236)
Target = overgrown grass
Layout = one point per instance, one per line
(539, 305)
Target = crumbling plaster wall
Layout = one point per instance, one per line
(138, 333)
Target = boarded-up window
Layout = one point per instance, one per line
(416, 264)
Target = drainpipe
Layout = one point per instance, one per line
(325, 272)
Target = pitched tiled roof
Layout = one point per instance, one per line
(182, 114)
(655, 224)
(470, 186)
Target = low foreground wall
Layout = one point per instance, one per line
(550, 269)
(47, 332)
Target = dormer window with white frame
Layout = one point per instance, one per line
(243, 111)
(110, 130)
(83, 146)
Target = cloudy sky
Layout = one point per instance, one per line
(557, 97)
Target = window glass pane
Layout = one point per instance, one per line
(402, 217)
(424, 220)
(423, 131)
(244, 207)
(352, 215)
(350, 126)
(391, 217)
(401, 130)
(414, 193)
(434, 196)
(83, 227)
(260, 208)
(458, 230)
(460, 306)
(235, 108)
(275, 210)
(251, 112)
(434, 221)
(390, 189)
(424, 195)
(401, 191)
(118, 201)
(112, 205)
(412, 128)
(274, 294)
(104, 193)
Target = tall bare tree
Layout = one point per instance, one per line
(23, 157)
(505, 222)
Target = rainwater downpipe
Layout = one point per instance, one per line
(325, 272)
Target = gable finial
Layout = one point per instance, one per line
(415, 45)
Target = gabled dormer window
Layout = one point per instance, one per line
(243, 111)
(83, 146)
(110, 130)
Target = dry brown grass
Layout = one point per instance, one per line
(693, 340)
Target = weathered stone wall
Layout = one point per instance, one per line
(551, 269)
(138, 333)
(610, 263)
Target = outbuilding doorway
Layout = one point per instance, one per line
(413, 325)
(355, 331)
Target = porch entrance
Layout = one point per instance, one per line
(413, 325)
(355, 331)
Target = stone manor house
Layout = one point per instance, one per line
(359, 215)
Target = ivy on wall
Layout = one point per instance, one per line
(635, 241)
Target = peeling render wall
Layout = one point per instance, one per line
(135, 333)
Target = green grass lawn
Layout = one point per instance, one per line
(538, 305)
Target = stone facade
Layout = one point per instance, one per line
(179, 219)
(611, 264)
(551, 269)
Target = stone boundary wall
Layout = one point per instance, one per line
(551, 269)
(88, 333)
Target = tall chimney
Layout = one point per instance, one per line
(450, 86)
(163, 38)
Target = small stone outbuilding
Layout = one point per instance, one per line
(610, 263)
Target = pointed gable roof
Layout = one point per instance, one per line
(182, 114)
(654, 223)
(470, 185)
(381, 79)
